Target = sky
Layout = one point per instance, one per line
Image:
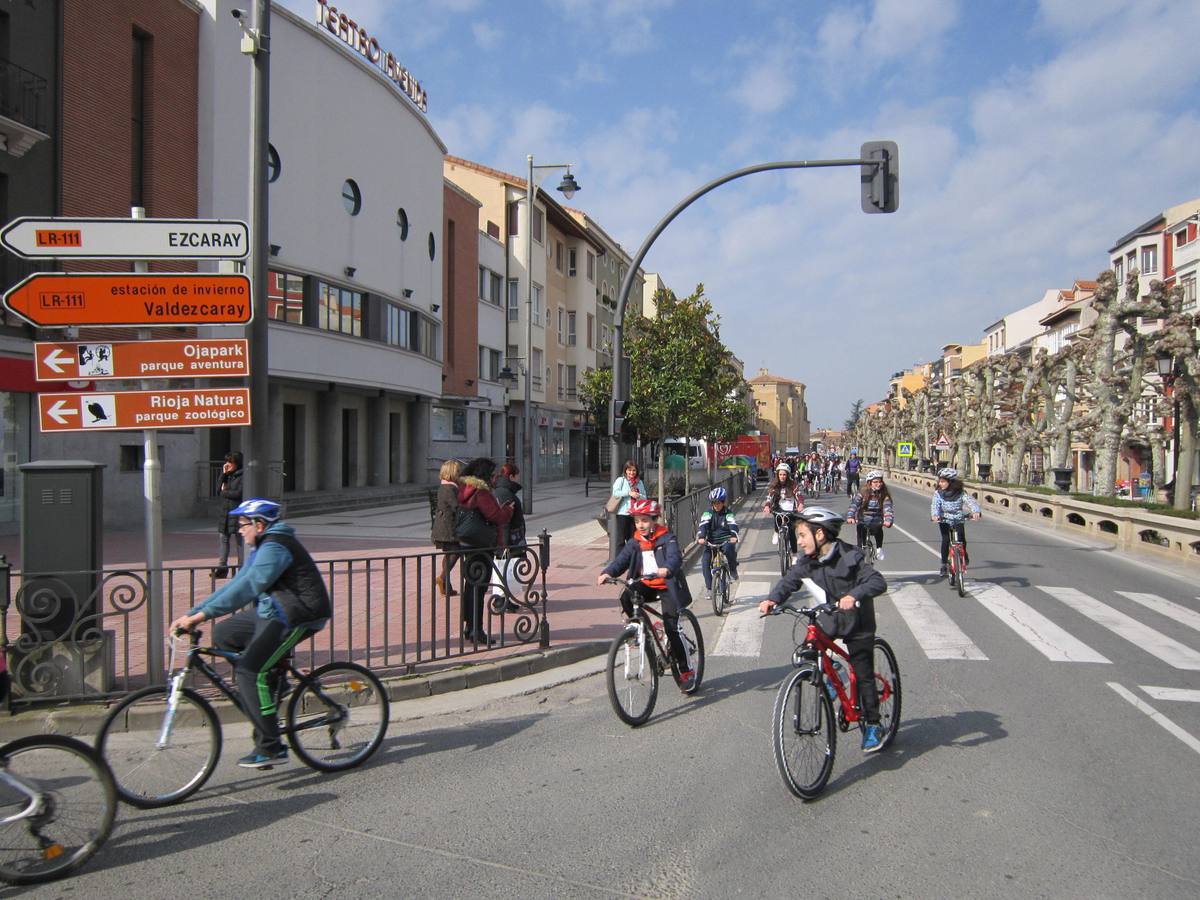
(1033, 134)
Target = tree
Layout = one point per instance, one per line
(595, 392)
(856, 409)
(1177, 339)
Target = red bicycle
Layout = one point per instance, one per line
(802, 726)
(957, 559)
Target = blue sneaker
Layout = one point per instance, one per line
(872, 739)
(258, 760)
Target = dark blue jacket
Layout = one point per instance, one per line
(668, 556)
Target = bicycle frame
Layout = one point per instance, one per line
(37, 799)
(816, 639)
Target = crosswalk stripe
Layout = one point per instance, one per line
(1050, 640)
(933, 629)
(1154, 714)
(1165, 648)
(1169, 693)
(742, 632)
(1171, 610)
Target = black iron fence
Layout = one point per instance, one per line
(683, 513)
(389, 614)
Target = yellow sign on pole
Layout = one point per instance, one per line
(904, 449)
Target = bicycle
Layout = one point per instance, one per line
(163, 742)
(957, 560)
(802, 732)
(869, 548)
(635, 662)
(719, 571)
(58, 803)
(783, 530)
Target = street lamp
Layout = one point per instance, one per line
(1165, 363)
(568, 187)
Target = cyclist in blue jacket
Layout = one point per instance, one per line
(717, 528)
(950, 507)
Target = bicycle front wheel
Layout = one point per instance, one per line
(803, 735)
(632, 677)
(80, 804)
(337, 718)
(783, 553)
(693, 644)
(887, 683)
(719, 592)
(159, 757)
(960, 565)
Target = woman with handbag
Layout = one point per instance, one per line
(479, 527)
(508, 490)
(625, 489)
(443, 523)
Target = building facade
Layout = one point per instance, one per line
(781, 410)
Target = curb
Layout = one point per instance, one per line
(84, 720)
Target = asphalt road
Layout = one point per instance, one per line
(1027, 763)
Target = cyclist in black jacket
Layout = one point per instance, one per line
(836, 572)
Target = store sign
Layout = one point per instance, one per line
(354, 36)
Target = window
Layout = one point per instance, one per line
(539, 224)
(1181, 237)
(497, 289)
(562, 325)
(572, 391)
(285, 297)
(1189, 292)
(514, 218)
(570, 329)
(1147, 410)
(571, 262)
(605, 345)
(448, 423)
(274, 165)
(514, 300)
(339, 309)
(482, 426)
(591, 326)
(536, 369)
(351, 197)
(402, 223)
(512, 358)
(432, 247)
(558, 255)
(483, 283)
(494, 364)
(591, 266)
(1119, 271)
(562, 381)
(133, 457)
(1149, 260)
(397, 325)
(489, 364)
(537, 304)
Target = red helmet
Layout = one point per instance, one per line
(644, 506)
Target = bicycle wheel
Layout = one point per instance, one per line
(149, 771)
(719, 592)
(961, 568)
(77, 818)
(887, 683)
(784, 563)
(337, 718)
(693, 643)
(632, 677)
(802, 733)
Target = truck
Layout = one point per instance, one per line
(752, 451)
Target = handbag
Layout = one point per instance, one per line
(613, 503)
(472, 529)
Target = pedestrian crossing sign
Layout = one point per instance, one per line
(904, 449)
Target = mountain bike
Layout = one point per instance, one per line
(783, 528)
(57, 807)
(162, 743)
(720, 574)
(641, 653)
(802, 725)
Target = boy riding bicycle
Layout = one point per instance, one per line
(718, 529)
(652, 560)
(838, 573)
(292, 603)
(950, 508)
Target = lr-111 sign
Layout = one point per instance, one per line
(115, 411)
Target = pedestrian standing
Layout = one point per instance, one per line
(443, 523)
(628, 487)
(479, 527)
(229, 489)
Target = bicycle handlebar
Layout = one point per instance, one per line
(810, 611)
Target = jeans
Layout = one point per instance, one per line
(225, 542)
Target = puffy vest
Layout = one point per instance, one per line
(300, 591)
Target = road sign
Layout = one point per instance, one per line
(904, 449)
(106, 299)
(138, 410)
(141, 359)
(942, 443)
(35, 238)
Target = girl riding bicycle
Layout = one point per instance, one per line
(784, 496)
(950, 508)
(871, 511)
(840, 573)
(652, 560)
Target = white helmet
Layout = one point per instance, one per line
(784, 467)
(949, 474)
(873, 474)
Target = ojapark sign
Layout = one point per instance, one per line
(127, 238)
(125, 410)
(98, 360)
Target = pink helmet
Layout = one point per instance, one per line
(644, 506)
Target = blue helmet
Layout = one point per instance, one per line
(718, 494)
(258, 508)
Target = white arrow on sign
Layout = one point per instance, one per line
(55, 358)
(60, 410)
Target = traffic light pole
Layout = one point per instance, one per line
(879, 165)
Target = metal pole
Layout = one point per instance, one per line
(529, 478)
(152, 504)
(258, 438)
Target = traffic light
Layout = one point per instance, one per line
(880, 183)
(620, 409)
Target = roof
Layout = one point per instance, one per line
(1149, 227)
(765, 377)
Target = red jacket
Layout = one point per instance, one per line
(475, 493)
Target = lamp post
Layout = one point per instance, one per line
(1166, 371)
(568, 187)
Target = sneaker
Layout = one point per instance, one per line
(830, 690)
(220, 572)
(879, 554)
(775, 539)
(943, 570)
(872, 739)
(733, 574)
(258, 760)
(687, 680)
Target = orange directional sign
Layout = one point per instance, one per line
(97, 361)
(58, 300)
(118, 410)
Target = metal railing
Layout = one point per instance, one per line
(208, 478)
(22, 96)
(388, 615)
(683, 513)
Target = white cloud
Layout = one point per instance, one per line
(768, 84)
(487, 36)
(468, 130)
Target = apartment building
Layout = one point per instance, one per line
(1150, 248)
(781, 410)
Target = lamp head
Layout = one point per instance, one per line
(568, 187)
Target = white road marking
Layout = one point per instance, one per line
(1154, 714)
(933, 629)
(920, 543)
(742, 633)
(1165, 607)
(1165, 648)
(1167, 693)
(1050, 640)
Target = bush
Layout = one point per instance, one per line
(1158, 508)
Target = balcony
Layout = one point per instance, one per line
(23, 113)
(1187, 255)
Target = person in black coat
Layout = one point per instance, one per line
(229, 488)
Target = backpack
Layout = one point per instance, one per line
(472, 529)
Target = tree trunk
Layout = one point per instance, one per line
(1016, 461)
(1187, 454)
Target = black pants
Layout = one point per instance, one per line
(260, 644)
(852, 484)
(875, 529)
(226, 539)
(960, 528)
(730, 551)
(477, 575)
(862, 658)
(670, 617)
(624, 530)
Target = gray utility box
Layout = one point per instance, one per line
(61, 550)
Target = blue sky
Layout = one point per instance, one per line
(1032, 134)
